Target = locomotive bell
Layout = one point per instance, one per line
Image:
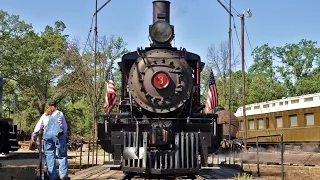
(161, 32)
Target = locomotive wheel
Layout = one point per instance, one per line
(160, 81)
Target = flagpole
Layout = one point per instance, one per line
(94, 134)
(230, 71)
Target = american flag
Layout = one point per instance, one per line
(111, 97)
(212, 98)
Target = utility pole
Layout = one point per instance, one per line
(243, 82)
(229, 57)
(249, 14)
(95, 124)
(95, 104)
(230, 35)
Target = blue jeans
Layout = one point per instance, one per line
(50, 149)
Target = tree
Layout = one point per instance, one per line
(263, 62)
(28, 59)
(260, 89)
(78, 115)
(218, 60)
(293, 75)
(204, 82)
(261, 81)
(79, 70)
(309, 84)
(15, 40)
(236, 84)
(298, 60)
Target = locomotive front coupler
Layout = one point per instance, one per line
(159, 136)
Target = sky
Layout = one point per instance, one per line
(198, 23)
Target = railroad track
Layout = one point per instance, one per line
(107, 172)
(290, 159)
(104, 172)
(220, 172)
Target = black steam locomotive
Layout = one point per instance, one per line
(8, 131)
(160, 129)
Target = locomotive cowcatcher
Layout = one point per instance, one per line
(160, 129)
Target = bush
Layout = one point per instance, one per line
(243, 176)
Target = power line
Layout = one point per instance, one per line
(234, 10)
(234, 26)
(248, 38)
(238, 14)
(230, 13)
(88, 37)
(233, 52)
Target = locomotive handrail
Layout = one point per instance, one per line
(196, 116)
(206, 118)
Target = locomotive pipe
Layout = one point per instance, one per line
(161, 11)
(204, 115)
(122, 114)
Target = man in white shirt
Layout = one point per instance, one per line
(54, 127)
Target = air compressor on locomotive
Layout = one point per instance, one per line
(160, 129)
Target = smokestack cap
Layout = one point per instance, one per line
(161, 11)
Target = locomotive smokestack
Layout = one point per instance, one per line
(161, 11)
(1, 89)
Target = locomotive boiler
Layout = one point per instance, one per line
(160, 129)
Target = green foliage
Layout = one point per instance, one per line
(48, 65)
(262, 61)
(276, 72)
(38, 66)
(204, 81)
(218, 61)
(309, 84)
(298, 60)
(79, 117)
(84, 75)
(243, 176)
(28, 61)
(261, 88)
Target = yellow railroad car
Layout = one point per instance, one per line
(297, 118)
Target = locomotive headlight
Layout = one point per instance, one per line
(161, 32)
